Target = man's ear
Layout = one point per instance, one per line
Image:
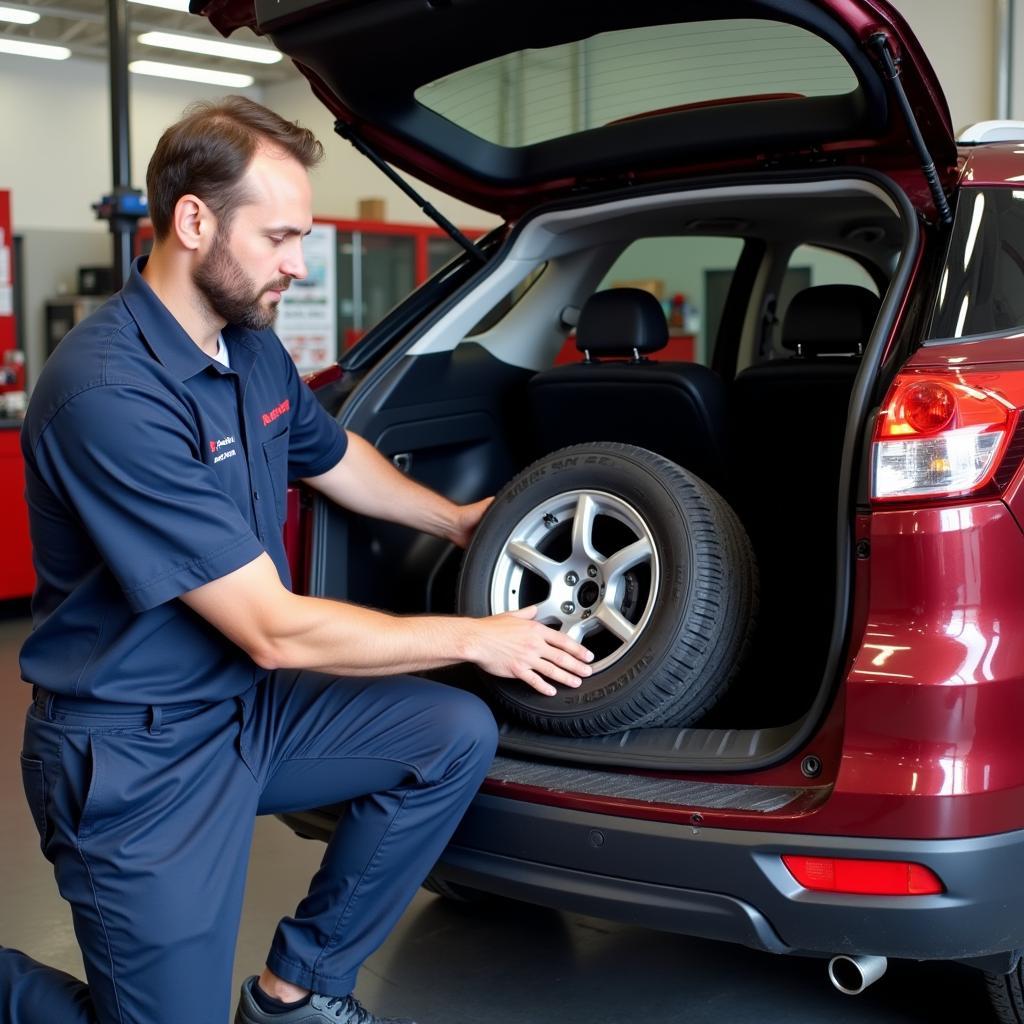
(194, 223)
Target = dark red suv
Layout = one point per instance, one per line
(854, 786)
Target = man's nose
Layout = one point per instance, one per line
(295, 265)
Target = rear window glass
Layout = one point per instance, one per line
(809, 267)
(690, 276)
(504, 306)
(535, 95)
(981, 290)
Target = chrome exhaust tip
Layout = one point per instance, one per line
(852, 974)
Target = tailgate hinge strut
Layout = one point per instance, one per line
(346, 131)
(880, 41)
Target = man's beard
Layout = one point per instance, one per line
(231, 292)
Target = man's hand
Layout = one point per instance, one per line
(467, 518)
(514, 646)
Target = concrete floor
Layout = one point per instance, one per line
(506, 964)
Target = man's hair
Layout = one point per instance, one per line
(207, 152)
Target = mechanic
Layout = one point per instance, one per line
(179, 687)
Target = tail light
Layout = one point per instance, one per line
(863, 877)
(948, 434)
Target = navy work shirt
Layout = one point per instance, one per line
(151, 469)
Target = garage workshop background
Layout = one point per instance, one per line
(55, 163)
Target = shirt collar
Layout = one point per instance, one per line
(167, 339)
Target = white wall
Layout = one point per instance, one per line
(56, 158)
(959, 38)
(56, 124)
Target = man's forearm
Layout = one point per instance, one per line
(279, 629)
(346, 639)
(366, 482)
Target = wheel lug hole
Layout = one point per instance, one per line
(592, 571)
(572, 579)
(568, 607)
(587, 613)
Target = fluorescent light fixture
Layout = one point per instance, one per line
(150, 67)
(167, 5)
(18, 17)
(210, 47)
(33, 49)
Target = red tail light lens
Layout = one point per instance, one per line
(927, 407)
(864, 877)
(945, 434)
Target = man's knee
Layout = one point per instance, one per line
(470, 725)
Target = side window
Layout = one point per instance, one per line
(982, 286)
(500, 310)
(808, 267)
(690, 276)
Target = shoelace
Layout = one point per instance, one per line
(354, 1012)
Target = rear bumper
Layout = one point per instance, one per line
(733, 886)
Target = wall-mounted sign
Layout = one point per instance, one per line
(307, 319)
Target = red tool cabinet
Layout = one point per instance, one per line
(16, 575)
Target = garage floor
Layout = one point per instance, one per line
(511, 964)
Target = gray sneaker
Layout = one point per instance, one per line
(319, 1010)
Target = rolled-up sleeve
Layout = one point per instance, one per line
(126, 460)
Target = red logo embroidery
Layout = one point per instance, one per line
(278, 410)
(213, 446)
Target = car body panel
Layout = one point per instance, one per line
(733, 885)
(992, 164)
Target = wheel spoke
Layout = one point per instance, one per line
(615, 622)
(626, 559)
(549, 611)
(532, 559)
(583, 528)
(578, 630)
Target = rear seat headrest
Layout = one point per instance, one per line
(830, 319)
(621, 322)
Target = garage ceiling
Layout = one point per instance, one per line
(81, 25)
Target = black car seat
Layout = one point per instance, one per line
(788, 422)
(799, 403)
(617, 394)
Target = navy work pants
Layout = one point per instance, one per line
(147, 818)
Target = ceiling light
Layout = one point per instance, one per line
(149, 67)
(18, 17)
(167, 5)
(210, 47)
(33, 49)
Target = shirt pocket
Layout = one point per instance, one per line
(275, 451)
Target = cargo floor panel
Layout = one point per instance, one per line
(620, 786)
(666, 749)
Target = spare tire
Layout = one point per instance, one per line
(639, 560)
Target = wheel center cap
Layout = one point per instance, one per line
(588, 594)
